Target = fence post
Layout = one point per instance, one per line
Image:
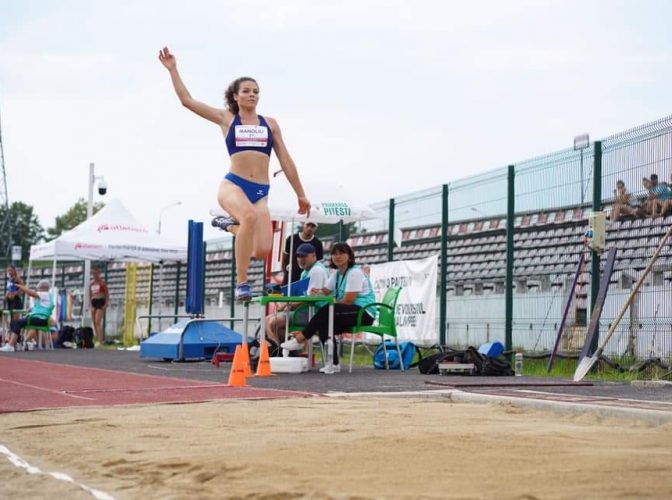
(595, 257)
(390, 233)
(205, 261)
(177, 289)
(104, 310)
(151, 299)
(443, 280)
(508, 300)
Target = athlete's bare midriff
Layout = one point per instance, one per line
(251, 166)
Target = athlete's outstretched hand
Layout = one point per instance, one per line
(167, 59)
(304, 206)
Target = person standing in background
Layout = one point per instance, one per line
(100, 298)
(306, 235)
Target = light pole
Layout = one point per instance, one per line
(581, 142)
(161, 298)
(102, 189)
(474, 209)
(163, 210)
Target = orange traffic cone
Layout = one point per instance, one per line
(237, 375)
(264, 364)
(245, 354)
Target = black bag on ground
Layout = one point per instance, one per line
(483, 365)
(84, 337)
(65, 334)
(486, 365)
(430, 364)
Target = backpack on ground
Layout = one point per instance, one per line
(408, 350)
(483, 365)
(430, 364)
(84, 337)
(65, 334)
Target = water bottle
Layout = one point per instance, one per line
(518, 364)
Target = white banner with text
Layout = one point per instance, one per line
(416, 307)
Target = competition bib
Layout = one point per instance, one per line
(251, 136)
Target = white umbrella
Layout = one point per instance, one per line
(330, 202)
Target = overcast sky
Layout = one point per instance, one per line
(387, 96)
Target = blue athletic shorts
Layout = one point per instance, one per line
(253, 190)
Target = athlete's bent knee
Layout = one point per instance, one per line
(249, 219)
(261, 252)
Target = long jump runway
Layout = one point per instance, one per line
(27, 385)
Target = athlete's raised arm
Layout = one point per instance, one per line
(215, 115)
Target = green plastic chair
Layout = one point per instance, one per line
(385, 325)
(41, 330)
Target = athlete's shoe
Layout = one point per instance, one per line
(292, 345)
(243, 292)
(224, 222)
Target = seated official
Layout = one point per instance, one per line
(352, 291)
(38, 316)
(318, 276)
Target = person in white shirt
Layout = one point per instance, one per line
(318, 276)
(352, 291)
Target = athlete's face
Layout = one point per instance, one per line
(248, 94)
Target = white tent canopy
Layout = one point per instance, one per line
(111, 234)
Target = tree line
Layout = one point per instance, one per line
(22, 226)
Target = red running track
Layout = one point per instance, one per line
(34, 385)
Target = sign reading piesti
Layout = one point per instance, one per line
(337, 209)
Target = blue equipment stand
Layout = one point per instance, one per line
(197, 338)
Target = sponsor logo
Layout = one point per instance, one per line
(339, 209)
(120, 227)
(86, 245)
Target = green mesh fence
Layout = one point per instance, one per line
(640, 213)
(552, 201)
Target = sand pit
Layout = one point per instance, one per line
(334, 448)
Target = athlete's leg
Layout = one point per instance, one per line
(98, 321)
(263, 233)
(232, 199)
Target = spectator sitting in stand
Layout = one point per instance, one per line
(650, 204)
(318, 276)
(661, 193)
(624, 202)
(39, 315)
(667, 205)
